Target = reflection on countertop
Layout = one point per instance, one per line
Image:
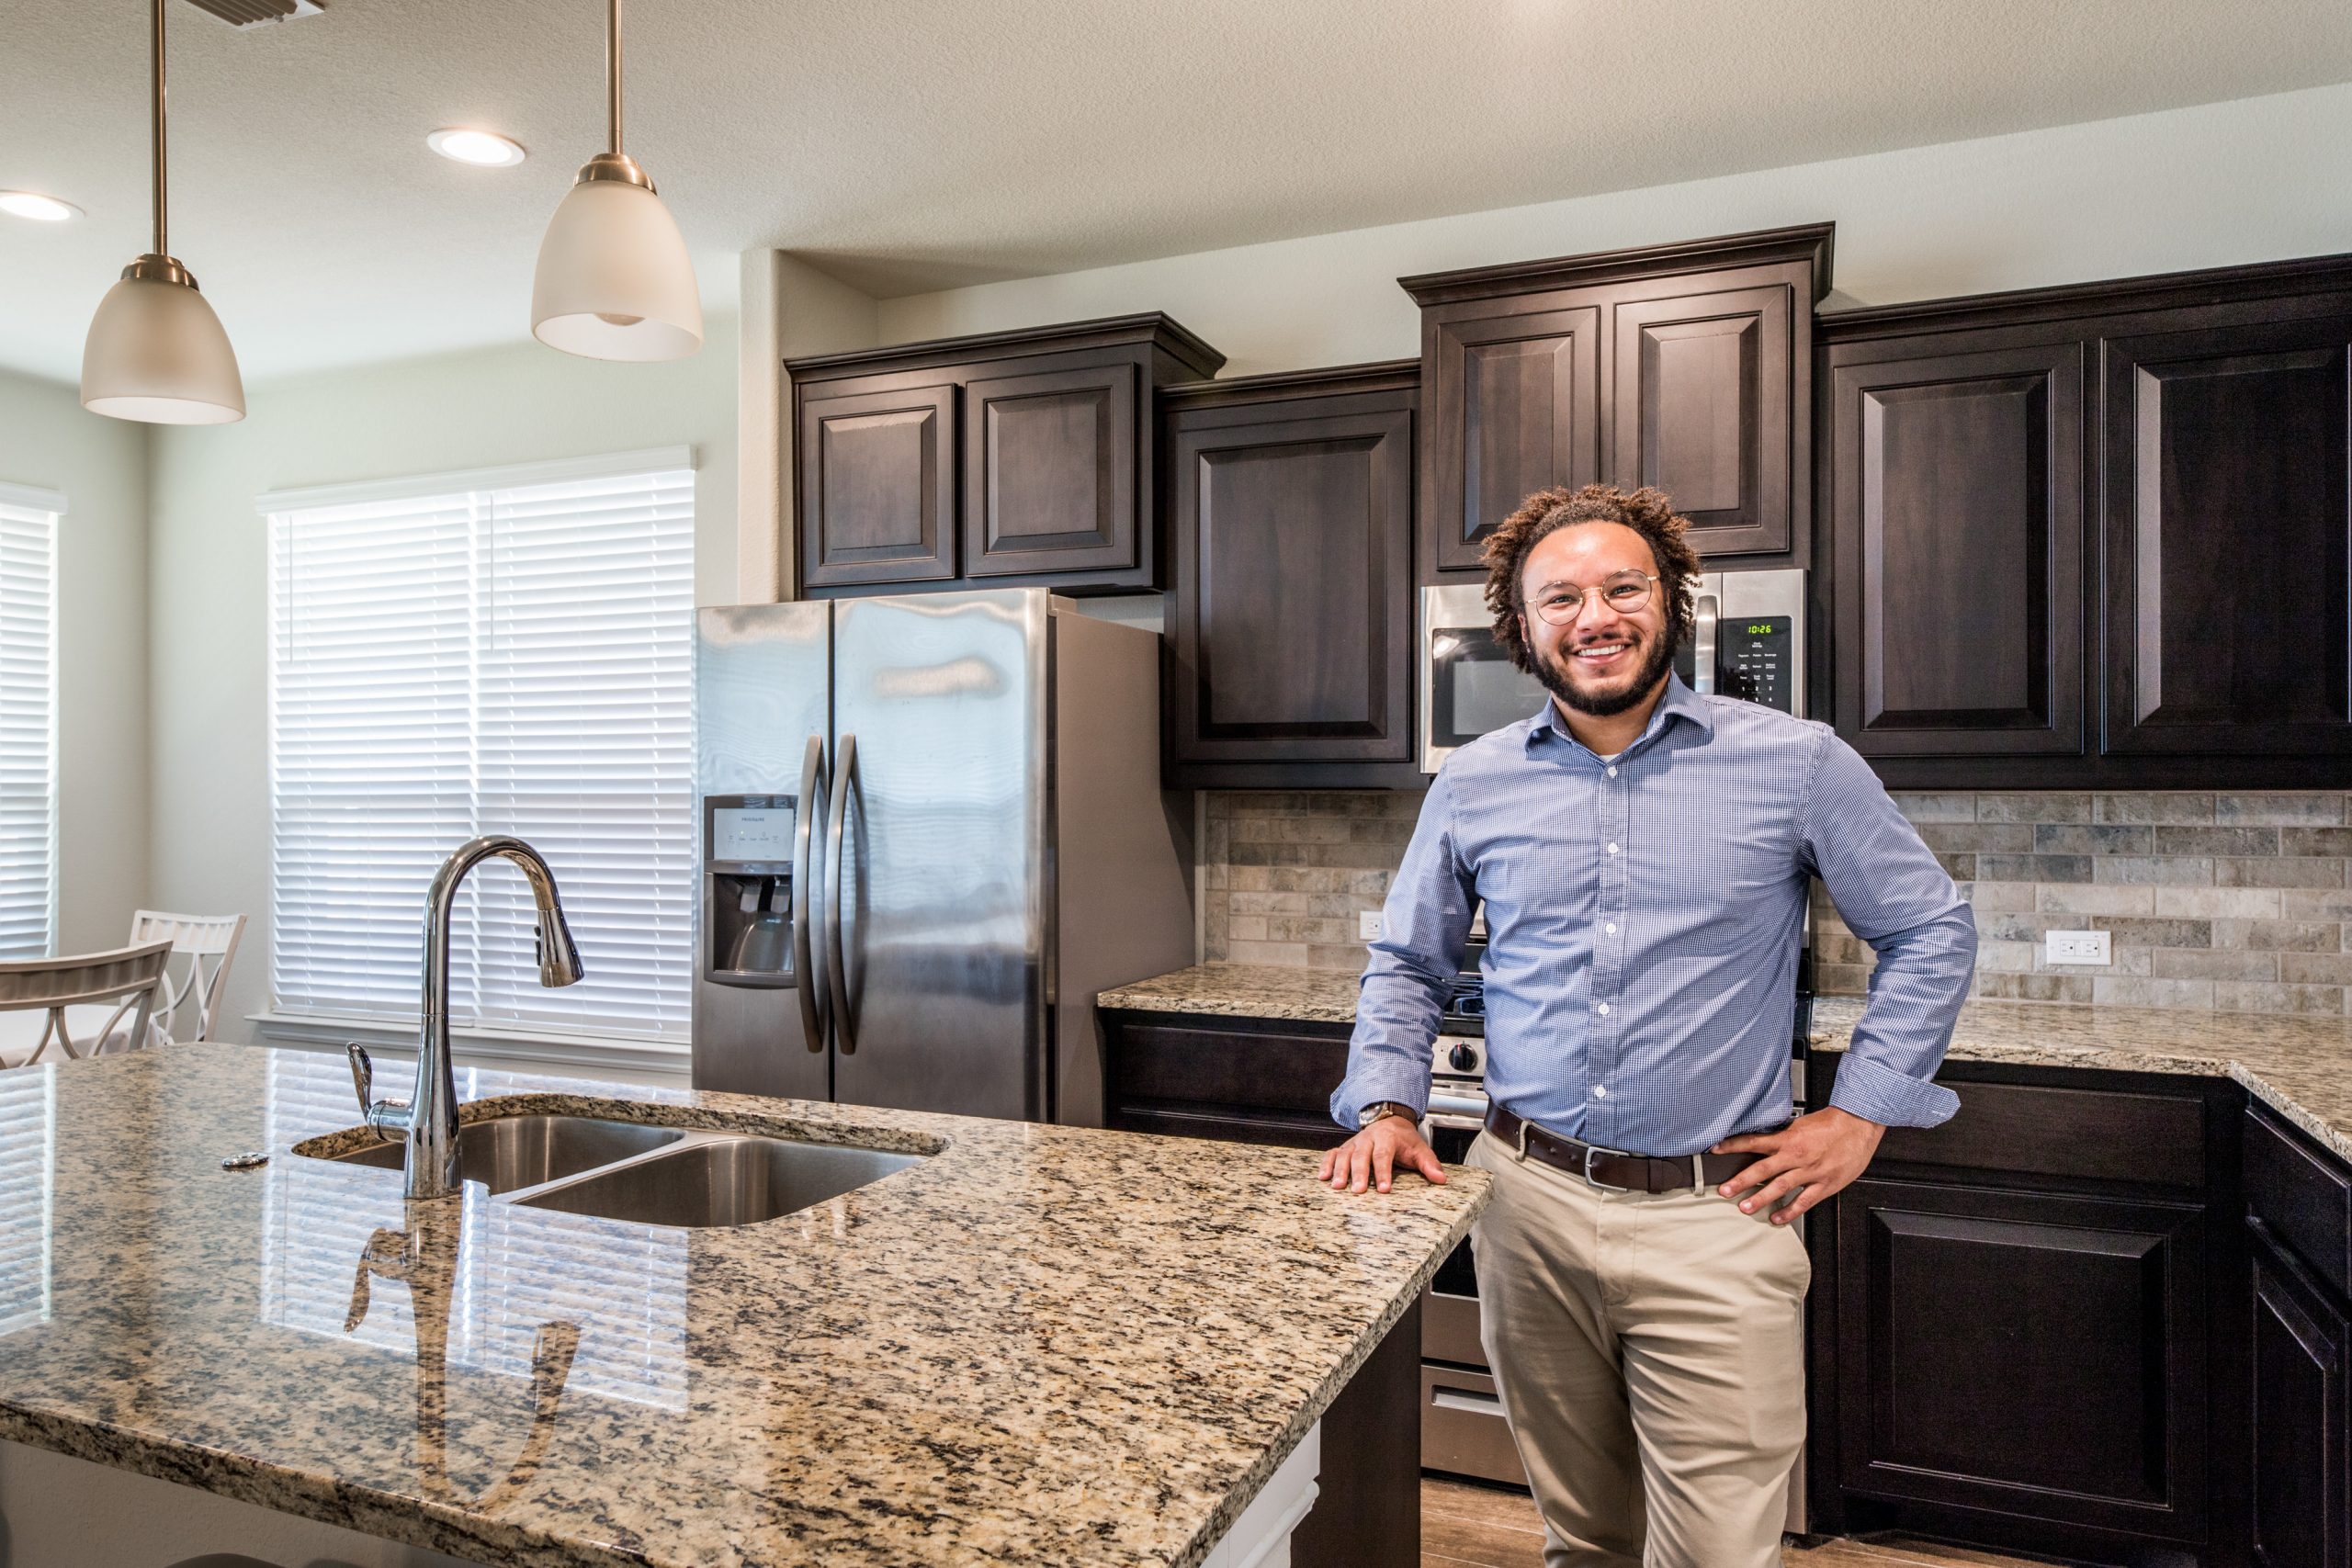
(1044, 1345)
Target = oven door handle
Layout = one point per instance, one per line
(1457, 1111)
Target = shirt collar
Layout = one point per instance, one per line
(1679, 702)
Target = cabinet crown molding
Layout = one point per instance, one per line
(1152, 327)
(2073, 301)
(1805, 243)
(1383, 376)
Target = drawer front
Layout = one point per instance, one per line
(1449, 1328)
(1291, 1073)
(1463, 1429)
(2070, 1133)
(2302, 1195)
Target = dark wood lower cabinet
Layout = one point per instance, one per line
(1264, 1082)
(2301, 1517)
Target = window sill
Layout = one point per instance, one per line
(668, 1062)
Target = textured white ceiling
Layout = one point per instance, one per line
(927, 143)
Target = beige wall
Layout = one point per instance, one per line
(48, 440)
(2253, 180)
(209, 566)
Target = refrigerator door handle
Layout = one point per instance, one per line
(836, 950)
(814, 997)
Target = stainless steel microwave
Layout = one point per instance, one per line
(1749, 642)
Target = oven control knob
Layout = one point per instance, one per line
(1463, 1058)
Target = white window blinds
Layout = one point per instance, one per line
(499, 653)
(27, 721)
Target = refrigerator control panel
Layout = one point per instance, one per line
(747, 889)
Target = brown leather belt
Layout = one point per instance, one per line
(1611, 1168)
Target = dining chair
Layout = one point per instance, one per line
(201, 940)
(128, 977)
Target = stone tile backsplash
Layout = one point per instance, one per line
(2221, 902)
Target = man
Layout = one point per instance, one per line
(1644, 855)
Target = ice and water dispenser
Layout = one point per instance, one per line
(747, 889)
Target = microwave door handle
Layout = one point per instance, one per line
(836, 953)
(1702, 646)
(815, 1009)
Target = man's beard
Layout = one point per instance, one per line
(1655, 663)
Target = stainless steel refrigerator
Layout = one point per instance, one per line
(931, 830)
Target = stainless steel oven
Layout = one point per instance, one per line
(1749, 641)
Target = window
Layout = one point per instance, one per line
(503, 652)
(29, 720)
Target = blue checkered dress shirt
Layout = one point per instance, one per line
(1643, 914)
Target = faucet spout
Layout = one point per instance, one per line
(431, 1118)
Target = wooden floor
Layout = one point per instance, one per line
(1486, 1528)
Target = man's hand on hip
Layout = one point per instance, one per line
(1821, 1153)
(1373, 1156)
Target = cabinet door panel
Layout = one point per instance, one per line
(876, 486)
(2302, 1515)
(2040, 1355)
(1293, 613)
(2228, 525)
(1701, 409)
(1515, 406)
(1049, 478)
(1957, 531)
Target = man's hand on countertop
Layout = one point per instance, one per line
(1819, 1153)
(1373, 1156)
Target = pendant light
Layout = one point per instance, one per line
(614, 280)
(156, 351)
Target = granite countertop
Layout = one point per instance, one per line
(2299, 1066)
(1243, 990)
(1044, 1345)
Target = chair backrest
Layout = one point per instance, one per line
(210, 944)
(127, 976)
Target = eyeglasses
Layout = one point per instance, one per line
(1623, 591)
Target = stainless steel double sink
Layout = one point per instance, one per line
(647, 1175)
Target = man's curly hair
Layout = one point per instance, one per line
(1647, 511)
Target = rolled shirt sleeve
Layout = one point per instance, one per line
(1423, 928)
(1891, 893)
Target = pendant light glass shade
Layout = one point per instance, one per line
(156, 351)
(615, 281)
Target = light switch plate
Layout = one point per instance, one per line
(1368, 924)
(2075, 947)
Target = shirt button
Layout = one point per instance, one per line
(1610, 927)
(1599, 1093)
(1604, 1009)
(1612, 773)
(1613, 849)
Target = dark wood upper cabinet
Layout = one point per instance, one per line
(1956, 526)
(878, 477)
(1686, 366)
(1290, 626)
(1011, 459)
(1702, 411)
(2227, 524)
(2094, 536)
(1528, 388)
(1049, 472)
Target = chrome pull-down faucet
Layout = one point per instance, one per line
(428, 1119)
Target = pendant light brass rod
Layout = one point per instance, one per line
(611, 66)
(158, 124)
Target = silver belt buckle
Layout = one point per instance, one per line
(1591, 1180)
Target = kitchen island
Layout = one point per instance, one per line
(1034, 1344)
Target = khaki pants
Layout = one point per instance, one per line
(1648, 1351)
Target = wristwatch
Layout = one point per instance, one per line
(1380, 1110)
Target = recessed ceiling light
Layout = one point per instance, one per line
(486, 148)
(33, 205)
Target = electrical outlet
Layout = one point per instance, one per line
(2075, 947)
(1368, 924)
